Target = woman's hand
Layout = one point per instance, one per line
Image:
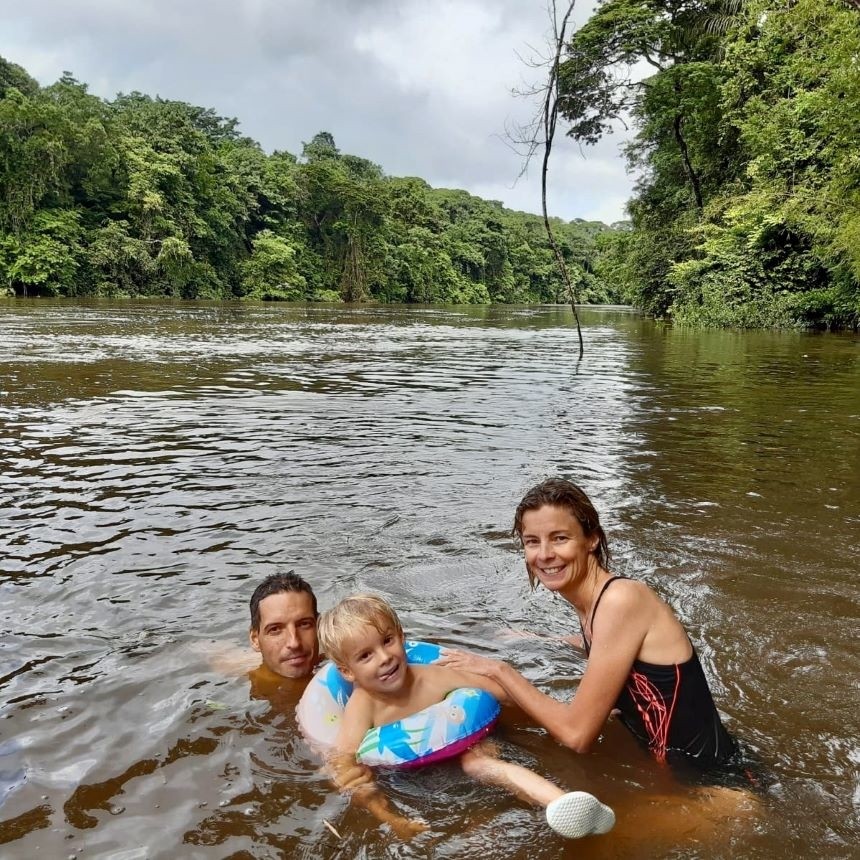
(464, 661)
(512, 634)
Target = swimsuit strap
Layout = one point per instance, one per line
(600, 596)
(594, 609)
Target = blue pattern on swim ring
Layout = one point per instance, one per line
(440, 731)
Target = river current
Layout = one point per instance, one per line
(160, 459)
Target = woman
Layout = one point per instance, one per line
(640, 659)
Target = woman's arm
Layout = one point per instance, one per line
(449, 678)
(617, 639)
(567, 722)
(512, 634)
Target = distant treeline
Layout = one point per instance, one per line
(143, 196)
(747, 212)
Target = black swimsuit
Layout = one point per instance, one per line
(670, 708)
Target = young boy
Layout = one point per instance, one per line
(364, 638)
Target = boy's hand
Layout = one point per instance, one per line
(406, 828)
(353, 775)
(357, 781)
(350, 777)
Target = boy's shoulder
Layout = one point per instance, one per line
(438, 678)
(428, 671)
(359, 699)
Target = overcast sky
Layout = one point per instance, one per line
(421, 88)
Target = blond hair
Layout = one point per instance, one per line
(343, 621)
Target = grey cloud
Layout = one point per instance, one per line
(385, 77)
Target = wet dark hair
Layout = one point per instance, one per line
(278, 583)
(561, 493)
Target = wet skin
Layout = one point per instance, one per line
(376, 661)
(287, 636)
(557, 550)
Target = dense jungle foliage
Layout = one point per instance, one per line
(747, 212)
(143, 196)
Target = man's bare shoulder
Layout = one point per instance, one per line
(227, 658)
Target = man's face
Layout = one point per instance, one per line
(287, 638)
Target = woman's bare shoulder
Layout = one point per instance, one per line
(637, 609)
(625, 592)
(636, 595)
(628, 602)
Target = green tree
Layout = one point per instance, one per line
(150, 197)
(13, 76)
(746, 212)
(45, 259)
(270, 273)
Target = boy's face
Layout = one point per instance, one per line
(375, 660)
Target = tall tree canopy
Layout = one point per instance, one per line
(144, 196)
(747, 143)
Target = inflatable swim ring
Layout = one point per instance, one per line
(441, 731)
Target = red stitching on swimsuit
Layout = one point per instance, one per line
(656, 717)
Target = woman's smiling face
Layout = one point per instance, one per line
(556, 548)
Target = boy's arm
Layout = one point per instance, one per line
(357, 719)
(341, 760)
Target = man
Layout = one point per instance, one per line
(284, 633)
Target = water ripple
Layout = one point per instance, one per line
(160, 459)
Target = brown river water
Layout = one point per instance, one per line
(160, 459)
